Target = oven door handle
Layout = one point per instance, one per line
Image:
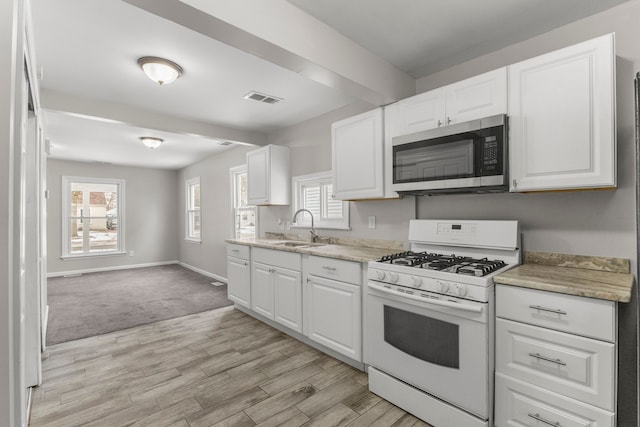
(457, 305)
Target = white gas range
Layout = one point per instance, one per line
(430, 319)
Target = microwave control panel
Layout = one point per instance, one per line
(490, 155)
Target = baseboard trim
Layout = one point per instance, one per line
(203, 272)
(118, 267)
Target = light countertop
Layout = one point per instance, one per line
(351, 250)
(592, 277)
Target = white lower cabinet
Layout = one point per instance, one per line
(239, 275)
(262, 289)
(287, 297)
(555, 359)
(276, 291)
(333, 305)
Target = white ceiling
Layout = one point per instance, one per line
(98, 102)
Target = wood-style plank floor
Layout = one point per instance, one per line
(217, 368)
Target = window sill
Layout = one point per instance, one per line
(93, 255)
(192, 240)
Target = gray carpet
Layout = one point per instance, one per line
(98, 303)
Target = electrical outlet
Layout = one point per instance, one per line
(372, 221)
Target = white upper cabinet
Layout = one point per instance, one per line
(357, 150)
(268, 176)
(474, 98)
(562, 119)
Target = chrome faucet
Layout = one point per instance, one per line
(314, 236)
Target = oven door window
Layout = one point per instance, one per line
(426, 161)
(425, 338)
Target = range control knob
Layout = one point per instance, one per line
(444, 286)
(417, 281)
(380, 274)
(393, 277)
(461, 290)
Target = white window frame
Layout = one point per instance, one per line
(66, 216)
(320, 178)
(233, 173)
(188, 209)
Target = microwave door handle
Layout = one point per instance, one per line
(457, 305)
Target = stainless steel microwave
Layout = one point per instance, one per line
(469, 157)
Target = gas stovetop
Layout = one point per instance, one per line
(452, 258)
(448, 263)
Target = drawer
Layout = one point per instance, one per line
(337, 269)
(577, 315)
(522, 404)
(284, 259)
(578, 367)
(238, 251)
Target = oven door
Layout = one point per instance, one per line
(439, 349)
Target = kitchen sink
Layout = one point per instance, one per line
(298, 244)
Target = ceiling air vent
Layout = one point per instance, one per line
(225, 143)
(261, 97)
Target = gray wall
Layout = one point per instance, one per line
(215, 204)
(589, 222)
(151, 215)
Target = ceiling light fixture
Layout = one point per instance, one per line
(160, 70)
(151, 142)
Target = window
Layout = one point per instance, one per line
(245, 216)
(93, 222)
(315, 193)
(192, 204)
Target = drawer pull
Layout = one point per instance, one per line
(537, 417)
(550, 310)
(235, 251)
(329, 268)
(547, 359)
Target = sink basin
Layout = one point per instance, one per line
(296, 244)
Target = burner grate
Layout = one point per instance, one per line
(449, 263)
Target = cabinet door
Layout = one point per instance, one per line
(420, 112)
(238, 281)
(333, 313)
(262, 289)
(358, 156)
(477, 97)
(562, 119)
(287, 289)
(258, 176)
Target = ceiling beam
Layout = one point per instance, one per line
(133, 116)
(284, 35)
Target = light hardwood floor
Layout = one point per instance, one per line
(217, 368)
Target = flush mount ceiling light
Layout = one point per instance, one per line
(160, 70)
(151, 142)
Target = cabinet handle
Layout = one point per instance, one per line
(514, 183)
(448, 120)
(439, 123)
(246, 264)
(272, 270)
(235, 251)
(537, 417)
(550, 310)
(541, 357)
(329, 268)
